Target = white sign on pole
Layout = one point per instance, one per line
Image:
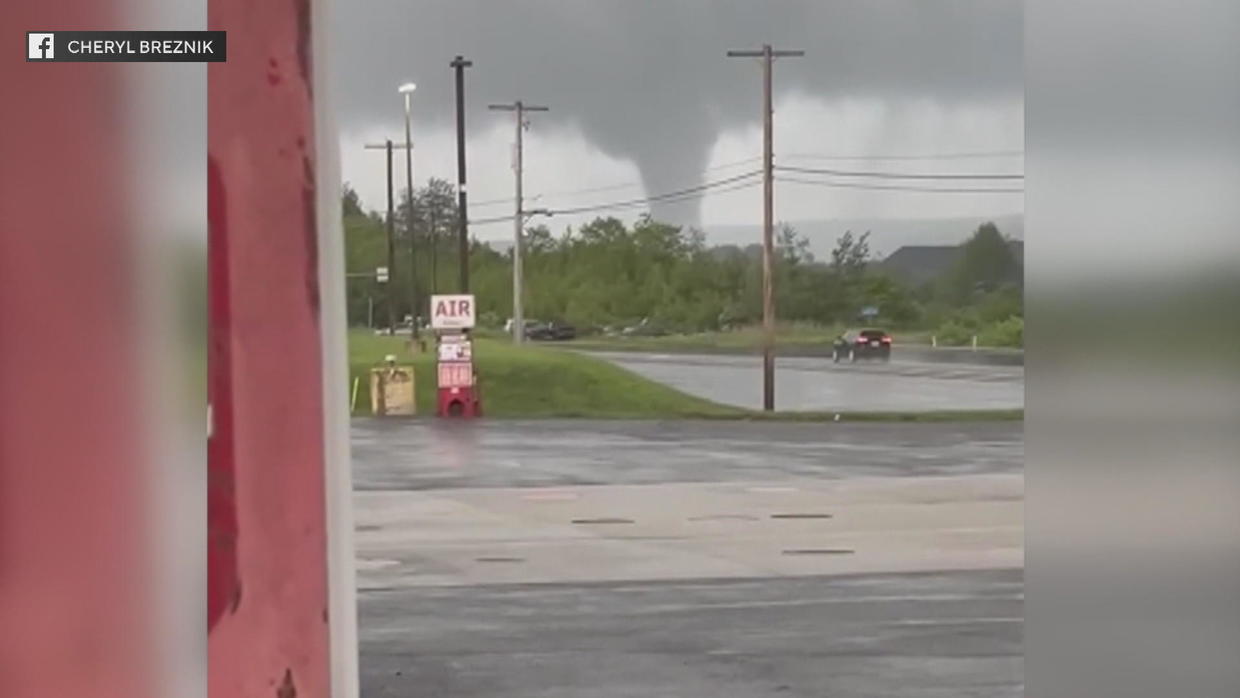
(381, 274)
(455, 351)
(453, 312)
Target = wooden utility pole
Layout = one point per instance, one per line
(390, 294)
(459, 64)
(518, 219)
(768, 55)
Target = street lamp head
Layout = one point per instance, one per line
(407, 88)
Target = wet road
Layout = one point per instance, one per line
(803, 383)
(931, 636)
(431, 454)
(691, 559)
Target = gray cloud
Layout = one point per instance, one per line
(649, 81)
(1104, 74)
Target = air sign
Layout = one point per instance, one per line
(455, 312)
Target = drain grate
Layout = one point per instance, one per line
(499, 559)
(368, 527)
(800, 516)
(819, 551)
(603, 520)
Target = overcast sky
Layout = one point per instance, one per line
(643, 100)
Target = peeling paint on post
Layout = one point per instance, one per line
(287, 689)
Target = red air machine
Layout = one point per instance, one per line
(452, 317)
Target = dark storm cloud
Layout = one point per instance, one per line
(649, 80)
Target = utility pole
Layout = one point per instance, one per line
(768, 55)
(391, 247)
(459, 64)
(518, 219)
(390, 295)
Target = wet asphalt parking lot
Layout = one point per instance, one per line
(469, 588)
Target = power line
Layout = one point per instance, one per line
(686, 195)
(612, 187)
(734, 163)
(793, 156)
(897, 175)
(924, 156)
(631, 204)
(703, 190)
(660, 197)
(676, 200)
(898, 187)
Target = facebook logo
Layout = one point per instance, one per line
(40, 47)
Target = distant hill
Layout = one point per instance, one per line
(886, 234)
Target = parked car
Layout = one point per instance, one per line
(550, 331)
(862, 344)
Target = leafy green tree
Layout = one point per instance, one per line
(434, 229)
(609, 273)
(851, 255)
(538, 241)
(351, 203)
(846, 284)
(792, 247)
(986, 263)
(1002, 303)
(365, 249)
(894, 302)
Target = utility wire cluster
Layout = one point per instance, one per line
(822, 177)
(735, 183)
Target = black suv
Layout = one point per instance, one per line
(863, 344)
(551, 331)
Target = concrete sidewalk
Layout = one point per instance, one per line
(691, 530)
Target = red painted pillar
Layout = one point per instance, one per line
(76, 617)
(268, 579)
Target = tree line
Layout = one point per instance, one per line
(608, 274)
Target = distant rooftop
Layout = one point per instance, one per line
(918, 264)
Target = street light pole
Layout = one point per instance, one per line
(518, 219)
(767, 54)
(407, 90)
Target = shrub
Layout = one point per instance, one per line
(1007, 333)
(953, 334)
